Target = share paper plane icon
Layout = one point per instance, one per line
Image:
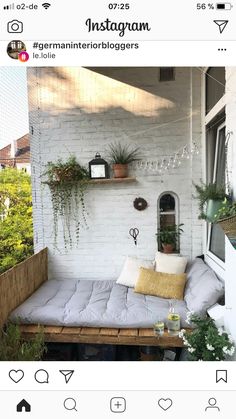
(67, 374)
(221, 24)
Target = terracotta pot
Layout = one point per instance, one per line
(167, 248)
(120, 170)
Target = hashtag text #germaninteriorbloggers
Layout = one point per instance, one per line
(118, 46)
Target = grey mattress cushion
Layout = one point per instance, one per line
(93, 304)
(203, 288)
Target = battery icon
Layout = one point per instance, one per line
(224, 6)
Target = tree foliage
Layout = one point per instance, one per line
(16, 227)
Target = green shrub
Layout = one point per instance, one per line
(16, 226)
(14, 348)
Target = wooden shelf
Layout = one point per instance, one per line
(112, 180)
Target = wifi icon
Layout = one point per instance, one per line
(46, 5)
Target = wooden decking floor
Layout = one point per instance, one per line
(92, 335)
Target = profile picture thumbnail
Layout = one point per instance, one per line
(15, 48)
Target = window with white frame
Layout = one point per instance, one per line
(215, 152)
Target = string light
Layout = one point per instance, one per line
(162, 165)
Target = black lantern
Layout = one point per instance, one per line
(98, 168)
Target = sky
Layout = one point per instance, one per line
(13, 104)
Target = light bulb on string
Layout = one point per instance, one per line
(154, 166)
(185, 153)
(159, 167)
(173, 162)
(163, 164)
(194, 149)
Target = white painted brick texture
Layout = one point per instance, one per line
(82, 111)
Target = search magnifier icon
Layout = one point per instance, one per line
(70, 404)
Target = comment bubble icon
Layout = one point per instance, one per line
(42, 377)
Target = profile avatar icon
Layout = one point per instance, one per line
(212, 404)
(16, 49)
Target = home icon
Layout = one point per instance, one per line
(23, 406)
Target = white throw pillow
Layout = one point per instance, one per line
(170, 264)
(130, 272)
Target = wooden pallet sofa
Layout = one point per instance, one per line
(18, 283)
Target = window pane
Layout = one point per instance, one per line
(167, 220)
(215, 86)
(217, 239)
(217, 242)
(220, 160)
(167, 203)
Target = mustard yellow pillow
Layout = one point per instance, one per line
(161, 284)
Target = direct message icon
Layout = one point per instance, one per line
(67, 374)
(221, 376)
(221, 24)
(165, 404)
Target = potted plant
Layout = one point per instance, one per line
(206, 342)
(14, 348)
(226, 218)
(120, 157)
(168, 237)
(211, 198)
(67, 182)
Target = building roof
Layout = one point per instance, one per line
(21, 153)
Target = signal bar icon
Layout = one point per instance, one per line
(46, 5)
(9, 7)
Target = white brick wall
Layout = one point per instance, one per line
(77, 110)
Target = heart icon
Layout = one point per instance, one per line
(165, 404)
(16, 375)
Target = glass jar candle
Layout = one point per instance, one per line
(173, 320)
(159, 327)
(173, 323)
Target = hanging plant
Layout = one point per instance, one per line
(226, 218)
(211, 198)
(67, 182)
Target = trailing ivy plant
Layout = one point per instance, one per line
(67, 182)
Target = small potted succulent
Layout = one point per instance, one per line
(226, 218)
(120, 157)
(211, 198)
(168, 237)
